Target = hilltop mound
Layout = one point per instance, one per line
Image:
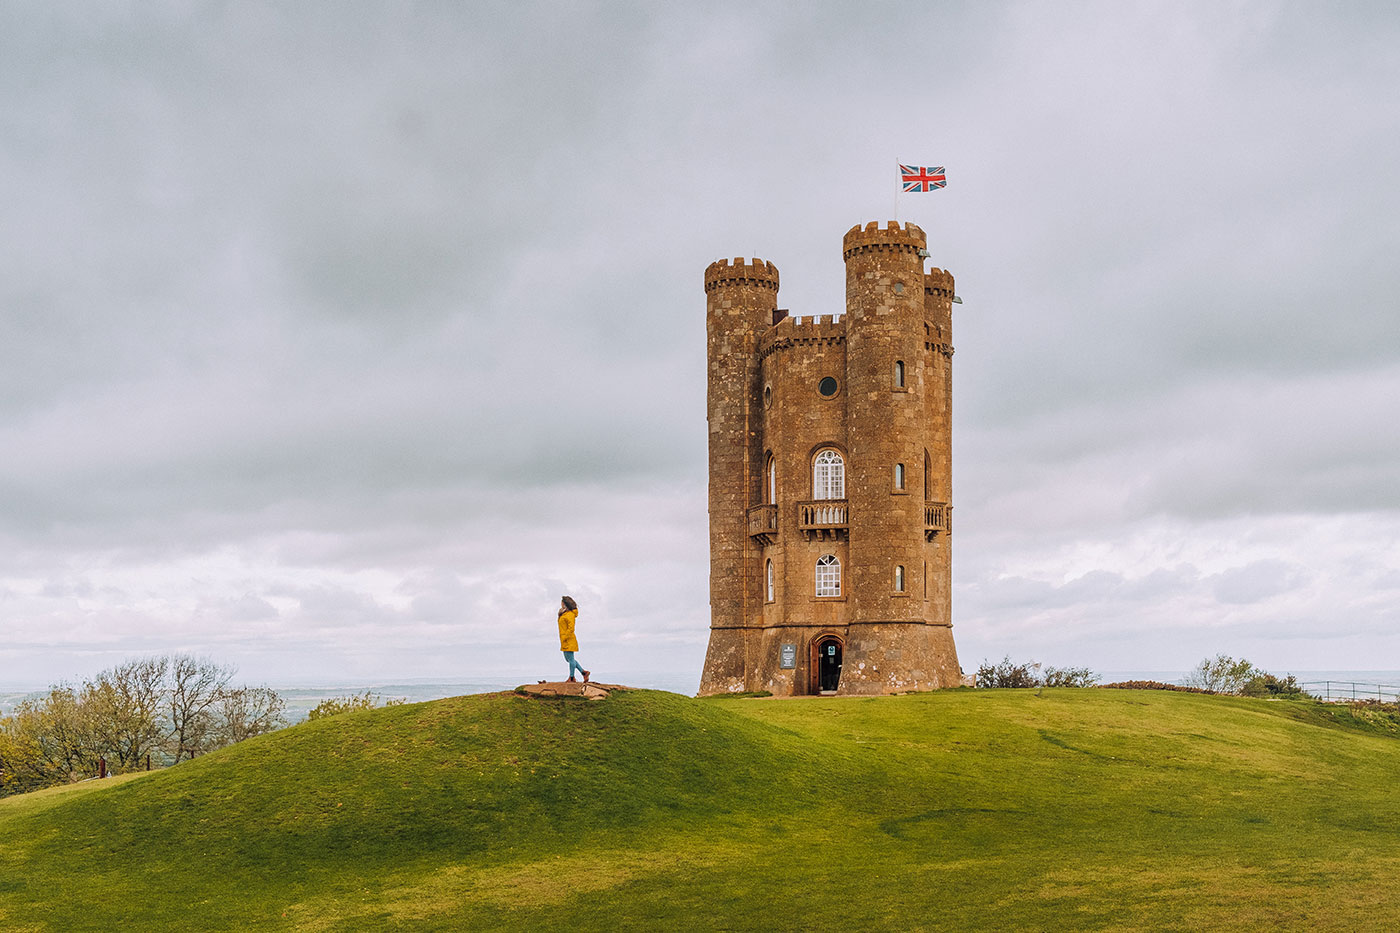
(968, 809)
(369, 794)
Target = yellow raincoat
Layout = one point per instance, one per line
(567, 641)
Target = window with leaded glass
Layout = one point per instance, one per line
(828, 575)
(828, 476)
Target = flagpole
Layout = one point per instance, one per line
(896, 195)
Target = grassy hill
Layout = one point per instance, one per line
(1001, 809)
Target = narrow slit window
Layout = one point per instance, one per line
(772, 480)
(899, 374)
(770, 581)
(899, 578)
(899, 476)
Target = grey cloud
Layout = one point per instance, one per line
(245, 608)
(1256, 581)
(1094, 587)
(399, 310)
(78, 587)
(1387, 580)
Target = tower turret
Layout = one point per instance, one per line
(938, 407)
(740, 300)
(885, 419)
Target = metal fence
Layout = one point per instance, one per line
(1346, 691)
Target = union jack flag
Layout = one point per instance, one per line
(922, 177)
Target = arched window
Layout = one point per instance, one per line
(828, 575)
(899, 578)
(899, 476)
(772, 480)
(928, 468)
(899, 374)
(828, 476)
(770, 581)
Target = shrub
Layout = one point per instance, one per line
(1267, 685)
(1070, 677)
(1151, 685)
(1222, 674)
(1027, 674)
(335, 706)
(1008, 674)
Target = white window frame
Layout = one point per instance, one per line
(770, 580)
(828, 575)
(899, 476)
(772, 480)
(899, 578)
(828, 475)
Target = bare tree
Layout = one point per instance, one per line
(245, 712)
(193, 692)
(126, 702)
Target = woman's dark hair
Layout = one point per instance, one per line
(569, 601)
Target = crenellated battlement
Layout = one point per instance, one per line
(803, 331)
(811, 325)
(893, 237)
(939, 283)
(755, 274)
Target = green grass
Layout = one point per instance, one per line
(998, 809)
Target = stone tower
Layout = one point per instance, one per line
(830, 477)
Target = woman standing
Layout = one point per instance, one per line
(568, 613)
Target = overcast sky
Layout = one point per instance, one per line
(337, 342)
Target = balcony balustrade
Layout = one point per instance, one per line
(938, 519)
(825, 518)
(763, 523)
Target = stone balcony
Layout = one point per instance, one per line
(824, 518)
(938, 519)
(763, 524)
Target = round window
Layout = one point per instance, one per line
(827, 386)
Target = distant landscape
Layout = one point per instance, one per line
(303, 697)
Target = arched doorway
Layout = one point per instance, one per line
(826, 664)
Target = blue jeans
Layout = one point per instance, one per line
(573, 665)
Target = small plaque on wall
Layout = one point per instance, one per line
(787, 659)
